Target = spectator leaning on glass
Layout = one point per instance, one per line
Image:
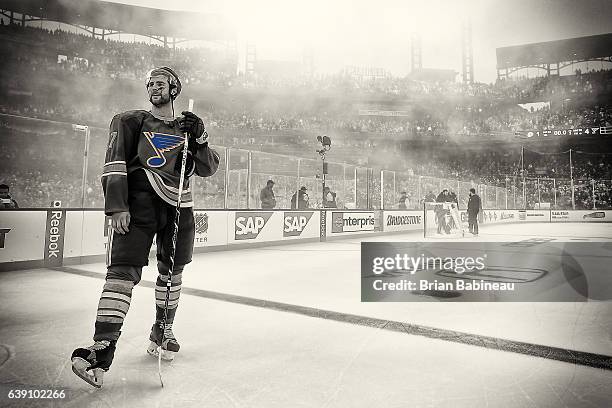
(5, 199)
(299, 200)
(329, 198)
(268, 201)
(402, 201)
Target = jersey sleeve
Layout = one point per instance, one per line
(114, 174)
(206, 161)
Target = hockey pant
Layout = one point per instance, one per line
(473, 222)
(127, 254)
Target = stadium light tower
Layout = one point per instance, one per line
(467, 53)
(308, 62)
(325, 147)
(416, 60)
(251, 61)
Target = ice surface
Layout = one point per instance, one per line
(233, 354)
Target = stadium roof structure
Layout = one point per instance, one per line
(102, 18)
(553, 55)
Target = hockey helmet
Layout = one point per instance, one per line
(173, 80)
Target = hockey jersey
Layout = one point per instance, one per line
(138, 140)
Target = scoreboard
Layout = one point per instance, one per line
(584, 131)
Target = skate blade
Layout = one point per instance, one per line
(153, 350)
(93, 377)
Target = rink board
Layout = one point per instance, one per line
(32, 238)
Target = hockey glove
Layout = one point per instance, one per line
(194, 126)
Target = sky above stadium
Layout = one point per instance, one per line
(377, 34)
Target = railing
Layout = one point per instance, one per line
(557, 193)
(43, 161)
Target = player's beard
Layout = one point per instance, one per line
(163, 100)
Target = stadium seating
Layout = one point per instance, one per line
(443, 114)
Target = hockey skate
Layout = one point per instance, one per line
(170, 346)
(90, 363)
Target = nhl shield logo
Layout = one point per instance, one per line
(201, 223)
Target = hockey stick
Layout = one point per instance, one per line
(173, 251)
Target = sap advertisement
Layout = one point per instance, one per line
(266, 226)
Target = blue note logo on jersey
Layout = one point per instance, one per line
(161, 142)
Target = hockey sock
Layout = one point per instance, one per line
(112, 308)
(160, 291)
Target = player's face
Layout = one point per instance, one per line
(159, 90)
(4, 193)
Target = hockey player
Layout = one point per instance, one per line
(441, 213)
(473, 208)
(140, 180)
(453, 199)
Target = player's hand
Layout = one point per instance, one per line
(192, 124)
(120, 222)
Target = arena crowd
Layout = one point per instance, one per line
(442, 113)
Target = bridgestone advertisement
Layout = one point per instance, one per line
(403, 220)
